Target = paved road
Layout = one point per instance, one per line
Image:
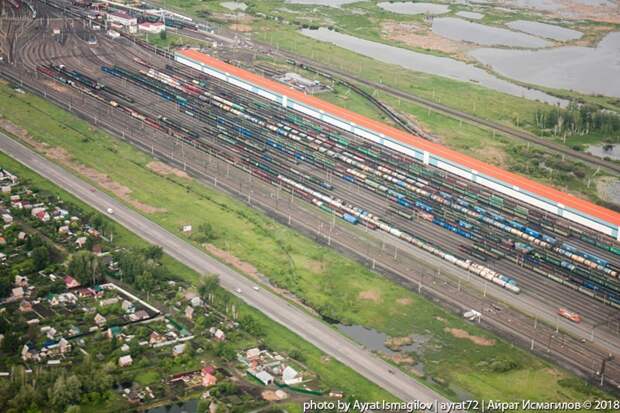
(275, 307)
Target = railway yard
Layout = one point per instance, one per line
(436, 232)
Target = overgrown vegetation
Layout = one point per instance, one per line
(579, 119)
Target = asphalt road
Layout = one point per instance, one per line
(311, 329)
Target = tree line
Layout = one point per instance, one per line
(578, 119)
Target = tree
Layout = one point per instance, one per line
(40, 257)
(209, 284)
(85, 267)
(163, 35)
(145, 281)
(153, 252)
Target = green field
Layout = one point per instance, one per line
(333, 285)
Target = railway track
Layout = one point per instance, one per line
(457, 114)
(354, 192)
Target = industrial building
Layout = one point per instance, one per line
(528, 191)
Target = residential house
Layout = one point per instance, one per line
(127, 306)
(80, 242)
(156, 338)
(25, 306)
(71, 282)
(64, 346)
(125, 361)
(290, 376)
(217, 334)
(100, 320)
(7, 218)
(21, 236)
(17, 293)
(189, 312)
(109, 301)
(21, 281)
(63, 230)
(178, 349)
(139, 315)
(125, 348)
(196, 301)
(264, 377)
(29, 352)
(113, 331)
(208, 379)
(2, 240)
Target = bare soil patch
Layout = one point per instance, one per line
(370, 295)
(481, 341)
(230, 259)
(404, 301)
(161, 168)
(395, 343)
(240, 27)
(415, 35)
(403, 360)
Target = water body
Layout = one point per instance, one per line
(414, 8)
(591, 70)
(549, 31)
(234, 5)
(605, 152)
(553, 5)
(470, 15)
(375, 340)
(421, 62)
(332, 3)
(459, 29)
(189, 406)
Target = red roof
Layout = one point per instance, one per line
(544, 191)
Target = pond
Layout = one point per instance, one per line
(459, 29)
(605, 151)
(234, 5)
(470, 15)
(188, 406)
(426, 63)
(375, 340)
(414, 8)
(591, 70)
(549, 31)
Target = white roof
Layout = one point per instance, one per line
(289, 373)
(264, 376)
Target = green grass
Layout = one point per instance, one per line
(326, 281)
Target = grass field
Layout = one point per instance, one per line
(333, 373)
(326, 281)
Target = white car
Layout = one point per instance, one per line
(110, 211)
(256, 288)
(238, 290)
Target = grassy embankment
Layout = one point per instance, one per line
(327, 281)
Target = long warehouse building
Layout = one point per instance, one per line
(533, 193)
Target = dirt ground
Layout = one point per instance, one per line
(163, 169)
(404, 301)
(481, 341)
(230, 259)
(416, 35)
(402, 359)
(370, 295)
(240, 27)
